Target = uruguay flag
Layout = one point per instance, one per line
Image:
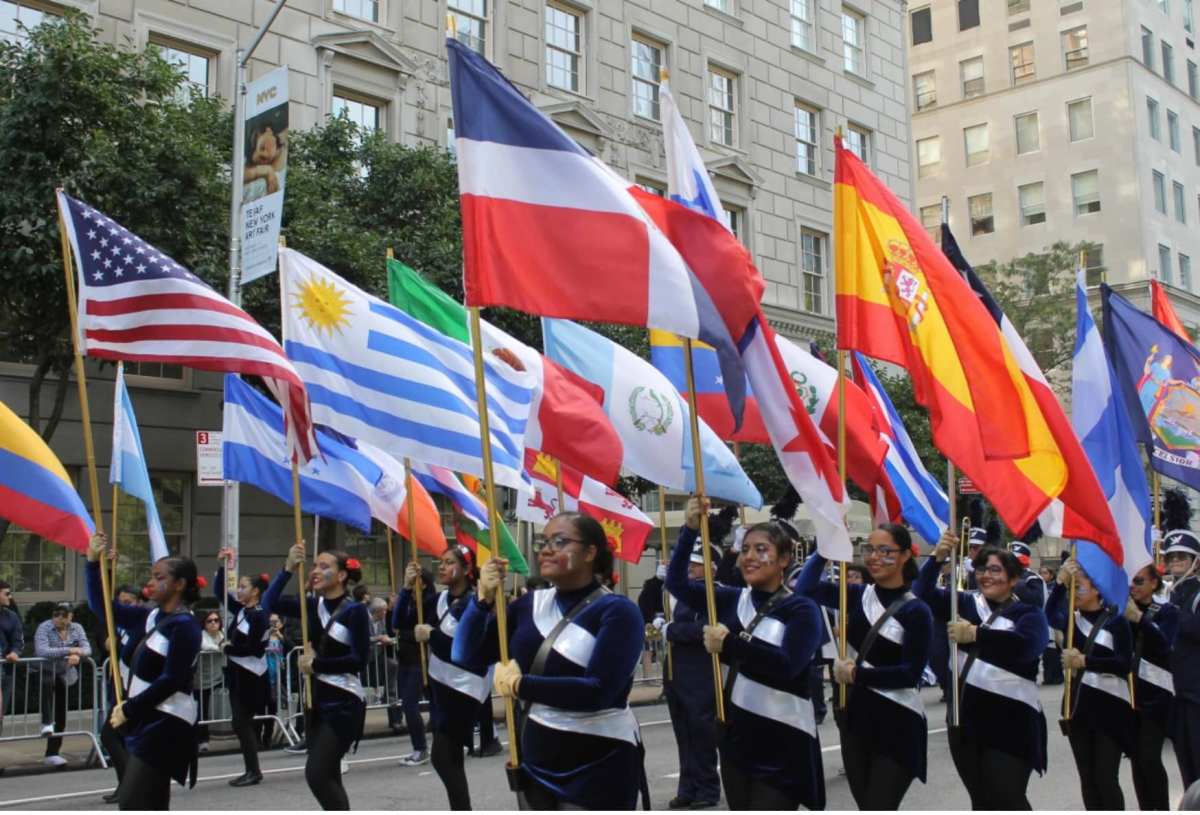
(922, 501)
(1099, 417)
(128, 469)
(444, 482)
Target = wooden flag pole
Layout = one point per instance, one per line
(391, 561)
(1070, 643)
(666, 595)
(89, 448)
(308, 690)
(418, 586)
(489, 488)
(558, 485)
(737, 454)
(955, 669)
(698, 463)
(843, 592)
(1158, 554)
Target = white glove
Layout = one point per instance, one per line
(659, 622)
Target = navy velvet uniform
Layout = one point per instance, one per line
(159, 708)
(1031, 589)
(885, 709)
(457, 691)
(771, 730)
(1153, 640)
(1185, 673)
(580, 740)
(1000, 706)
(127, 638)
(246, 649)
(338, 697)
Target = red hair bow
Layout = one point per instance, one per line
(352, 563)
(202, 582)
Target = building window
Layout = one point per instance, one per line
(1173, 130)
(1168, 60)
(720, 5)
(1085, 192)
(803, 29)
(470, 23)
(1180, 202)
(736, 219)
(1028, 137)
(975, 139)
(1189, 17)
(451, 140)
(30, 564)
(363, 9)
(653, 189)
(367, 116)
(931, 219)
(1164, 263)
(16, 21)
(921, 22)
(1021, 57)
(1148, 48)
(980, 209)
(924, 90)
(812, 260)
(722, 106)
(1159, 182)
(194, 66)
(1018, 6)
(854, 42)
(1196, 144)
(1032, 199)
(808, 136)
(971, 71)
(1152, 117)
(1079, 119)
(858, 141)
(1193, 80)
(968, 14)
(1164, 6)
(1093, 262)
(929, 156)
(1075, 47)
(647, 75)
(133, 558)
(564, 48)
(1185, 272)
(155, 370)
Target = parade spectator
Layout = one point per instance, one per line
(12, 643)
(63, 644)
(278, 646)
(209, 671)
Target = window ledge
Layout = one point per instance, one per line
(564, 94)
(812, 180)
(353, 19)
(858, 79)
(808, 55)
(723, 15)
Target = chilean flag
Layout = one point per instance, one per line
(548, 229)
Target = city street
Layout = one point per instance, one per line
(376, 781)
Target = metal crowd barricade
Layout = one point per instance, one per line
(29, 700)
(650, 667)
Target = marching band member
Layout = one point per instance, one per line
(883, 730)
(1154, 627)
(1102, 724)
(574, 649)
(1001, 738)
(1182, 549)
(127, 642)
(159, 714)
(456, 690)
(1030, 589)
(245, 649)
(767, 637)
(341, 631)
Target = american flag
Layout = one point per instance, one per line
(138, 305)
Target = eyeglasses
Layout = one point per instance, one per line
(994, 570)
(212, 620)
(1139, 581)
(555, 542)
(884, 552)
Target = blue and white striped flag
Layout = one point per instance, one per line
(1100, 420)
(443, 481)
(377, 374)
(128, 469)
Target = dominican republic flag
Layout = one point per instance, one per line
(921, 499)
(549, 229)
(137, 304)
(128, 469)
(1099, 416)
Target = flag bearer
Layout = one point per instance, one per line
(457, 691)
(128, 639)
(883, 729)
(1001, 737)
(1182, 552)
(690, 698)
(158, 716)
(574, 648)
(333, 659)
(1155, 624)
(768, 639)
(1102, 724)
(245, 648)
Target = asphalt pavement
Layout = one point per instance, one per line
(376, 780)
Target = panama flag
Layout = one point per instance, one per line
(128, 469)
(545, 222)
(1099, 416)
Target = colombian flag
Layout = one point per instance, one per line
(35, 491)
(899, 299)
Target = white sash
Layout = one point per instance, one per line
(772, 703)
(1112, 685)
(905, 697)
(1103, 636)
(180, 705)
(612, 723)
(574, 642)
(459, 679)
(1155, 675)
(874, 609)
(1002, 682)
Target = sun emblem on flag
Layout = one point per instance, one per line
(613, 530)
(650, 410)
(323, 305)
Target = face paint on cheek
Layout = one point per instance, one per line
(570, 560)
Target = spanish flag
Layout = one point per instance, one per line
(899, 299)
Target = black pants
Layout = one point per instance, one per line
(409, 680)
(695, 729)
(144, 787)
(244, 728)
(994, 779)
(1149, 775)
(114, 745)
(487, 724)
(204, 697)
(1098, 759)
(876, 781)
(744, 791)
(816, 690)
(1185, 735)
(448, 759)
(323, 769)
(1052, 672)
(54, 709)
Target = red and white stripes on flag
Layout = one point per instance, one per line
(138, 305)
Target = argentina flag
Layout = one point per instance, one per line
(128, 469)
(377, 374)
(1101, 421)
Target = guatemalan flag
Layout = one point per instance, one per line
(128, 469)
(1101, 420)
(549, 229)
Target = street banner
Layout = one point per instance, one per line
(265, 172)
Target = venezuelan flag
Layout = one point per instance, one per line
(899, 299)
(35, 491)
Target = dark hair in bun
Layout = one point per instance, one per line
(347, 564)
(466, 557)
(184, 568)
(903, 539)
(260, 582)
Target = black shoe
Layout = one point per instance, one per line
(704, 804)
(299, 747)
(492, 748)
(111, 798)
(246, 780)
(679, 802)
